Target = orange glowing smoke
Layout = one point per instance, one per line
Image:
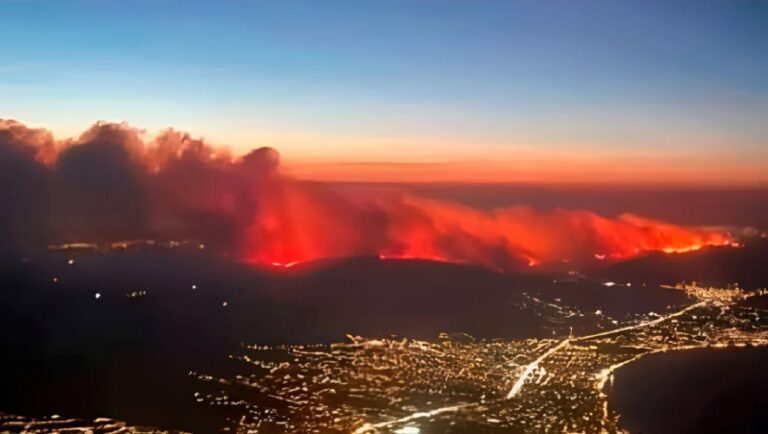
(408, 227)
(111, 183)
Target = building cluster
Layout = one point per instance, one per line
(457, 383)
(56, 424)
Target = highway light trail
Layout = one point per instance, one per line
(530, 368)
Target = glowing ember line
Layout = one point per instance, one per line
(284, 264)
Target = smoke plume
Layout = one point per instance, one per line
(112, 183)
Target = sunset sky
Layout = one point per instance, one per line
(622, 92)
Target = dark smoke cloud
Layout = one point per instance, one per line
(99, 185)
(24, 185)
(112, 184)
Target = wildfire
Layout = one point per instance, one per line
(409, 227)
(284, 265)
(683, 249)
(177, 186)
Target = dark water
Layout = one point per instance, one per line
(701, 391)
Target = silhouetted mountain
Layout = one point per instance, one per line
(714, 265)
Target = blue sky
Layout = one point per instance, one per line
(403, 81)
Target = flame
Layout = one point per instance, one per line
(409, 227)
(284, 265)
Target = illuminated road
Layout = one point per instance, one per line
(407, 386)
(643, 324)
(530, 368)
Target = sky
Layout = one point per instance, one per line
(474, 91)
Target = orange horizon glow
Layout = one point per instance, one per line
(332, 158)
(598, 172)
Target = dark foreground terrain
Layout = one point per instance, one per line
(123, 334)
